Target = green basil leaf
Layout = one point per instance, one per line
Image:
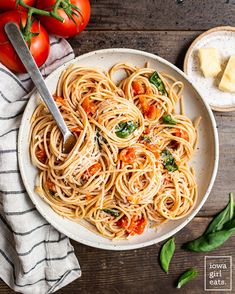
(113, 212)
(224, 216)
(167, 119)
(168, 161)
(209, 242)
(167, 253)
(187, 276)
(123, 130)
(229, 225)
(156, 81)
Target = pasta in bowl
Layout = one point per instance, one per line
(129, 171)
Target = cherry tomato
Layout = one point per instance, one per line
(70, 27)
(51, 186)
(136, 226)
(11, 4)
(128, 155)
(154, 149)
(182, 134)
(153, 112)
(60, 100)
(41, 155)
(138, 87)
(89, 106)
(39, 47)
(91, 171)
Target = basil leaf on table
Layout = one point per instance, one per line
(124, 129)
(167, 253)
(209, 242)
(187, 276)
(218, 231)
(168, 161)
(167, 119)
(113, 212)
(157, 81)
(224, 216)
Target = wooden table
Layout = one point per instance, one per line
(165, 28)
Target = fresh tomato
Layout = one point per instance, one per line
(75, 21)
(128, 155)
(136, 226)
(41, 155)
(39, 47)
(138, 87)
(11, 4)
(89, 106)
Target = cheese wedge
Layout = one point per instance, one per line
(209, 61)
(227, 82)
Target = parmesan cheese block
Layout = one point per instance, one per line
(209, 61)
(227, 82)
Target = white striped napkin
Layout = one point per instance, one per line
(34, 257)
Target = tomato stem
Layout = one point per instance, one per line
(33, 10)
(56, 6)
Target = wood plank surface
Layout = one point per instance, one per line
(138, 271)
(167, 29)
(160, 15)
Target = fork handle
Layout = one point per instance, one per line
(25, 56)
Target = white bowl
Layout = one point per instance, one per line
(205, 160)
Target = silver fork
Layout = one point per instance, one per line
(16, 38)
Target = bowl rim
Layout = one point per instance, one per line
(110, 246)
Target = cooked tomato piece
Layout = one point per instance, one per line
(140, 226)
(60, 100)
(146, 130)
(182, 134)
(149, 91)
(123, 222)
(128, 155)
(136, 226)
(89, 106)
(150, 111)
(41, 155)
(138, 87)
(51, 186)
(153, 112)
(76, 130)
(91, 171)
(154, 149)
(144, 104)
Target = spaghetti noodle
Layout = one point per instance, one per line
(129, 167)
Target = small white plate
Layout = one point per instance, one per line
(205, 160)
(223, 39)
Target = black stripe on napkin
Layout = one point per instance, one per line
(14, 78)
(40, 280)
(48, 259)
(40, 243)
(25, 233)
